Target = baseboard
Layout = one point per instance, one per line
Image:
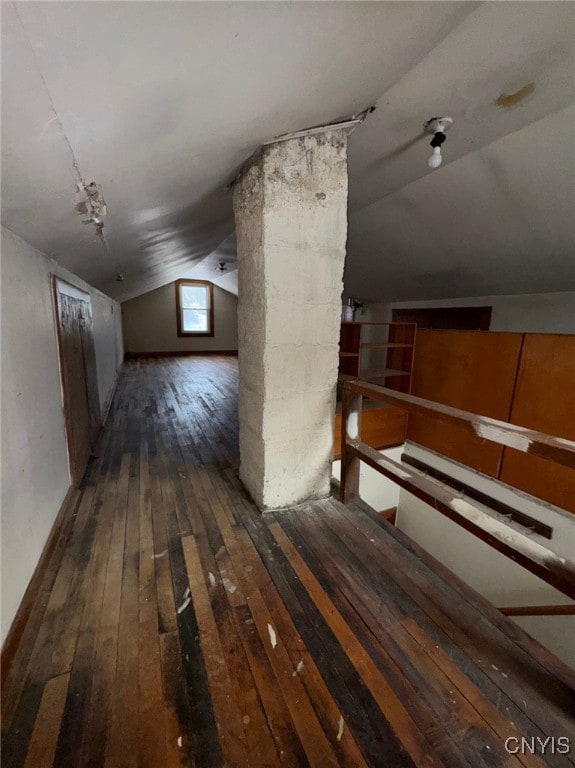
(183, 353)
(27, 621)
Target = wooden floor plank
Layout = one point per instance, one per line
(382, 691)
(382, 618)
(122, 745)
(316, 745)
(47, 726)
(182, 628)
(502, 670)
(229, 719)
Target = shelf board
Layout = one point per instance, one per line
(389, 345)
(387, 372)
(349, 354)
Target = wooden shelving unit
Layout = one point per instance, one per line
(378, 352)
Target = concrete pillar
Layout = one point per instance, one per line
(290, 208)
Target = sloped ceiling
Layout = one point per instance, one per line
(160, 103)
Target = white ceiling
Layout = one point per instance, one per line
(160, 102)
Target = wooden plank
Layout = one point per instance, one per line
(71, 587)
(327, 708)
(269, 731)
(317, 747)
(387, 699)
(204, 745)
(380, 428)
(176, 714)
(97, 718)
(122, 744)
(355, 701)
(476, 611)
(344, 745)
(529, 552)
(522, 439)
(42, 747)
(151, 730)
(150, 699)
(76, 710)
(254, 641)
(351, 420)
(511, 668)
(447, 730)
(483, 498)
(163, 501)
(518, 684)
(502, 727)
(229, 719)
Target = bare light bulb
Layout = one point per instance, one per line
(435, 160)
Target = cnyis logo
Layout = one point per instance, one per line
(537, 745)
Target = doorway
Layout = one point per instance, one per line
(78, 374)
(446, 318)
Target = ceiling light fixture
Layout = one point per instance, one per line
(221, 267)
(437, 126)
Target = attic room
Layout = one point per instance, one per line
(288, 384)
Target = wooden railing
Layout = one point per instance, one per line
(525, 547)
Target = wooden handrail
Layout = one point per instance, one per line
(526, 548)
(555, 449)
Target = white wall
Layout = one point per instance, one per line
(35, 473)
(493, 575)
(150, 324)
(521, 313)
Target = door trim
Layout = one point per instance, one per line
(62, 288)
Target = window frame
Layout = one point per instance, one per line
(210, 286)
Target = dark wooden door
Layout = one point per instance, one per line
(78, 372)
(446, 318)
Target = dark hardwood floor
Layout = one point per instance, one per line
(182, 628)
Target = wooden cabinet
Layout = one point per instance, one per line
(381, 353)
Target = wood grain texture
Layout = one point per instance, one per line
(544, 400)
(78, 374)
(470, 370)
(185, 629)
(380, 428)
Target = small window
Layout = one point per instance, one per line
(195, 308)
